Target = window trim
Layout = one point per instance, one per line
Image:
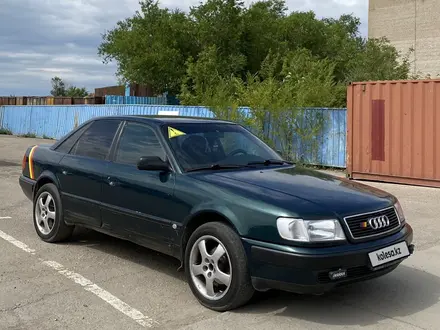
(107, 157)
(69, 135)
(115, 147)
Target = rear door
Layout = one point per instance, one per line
(139, 204)
(82, 173)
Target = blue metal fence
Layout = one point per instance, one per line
(2, 110)
(157, 100)
(116, 99)
(56, 121)
(327, 147)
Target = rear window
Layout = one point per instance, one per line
(67, 145)
(97, 139)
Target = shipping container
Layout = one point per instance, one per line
(117, 99)
(393, 131)
(78, 100)
(141, 90)
(36, 100)
(110, 90)
(21, 100)
(62, 100)
(94, 100)
(4, 100)
(135, 90)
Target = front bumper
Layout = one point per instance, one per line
(306, 270)
(27, 185)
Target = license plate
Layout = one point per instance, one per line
(388, 254)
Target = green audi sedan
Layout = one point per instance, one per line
(210, 193)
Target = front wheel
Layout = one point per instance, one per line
(216, 267)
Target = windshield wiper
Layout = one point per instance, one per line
(217, 167)
(268, 162)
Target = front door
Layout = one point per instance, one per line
(138, 204)
(81, 173)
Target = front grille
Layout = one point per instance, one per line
(358, 229)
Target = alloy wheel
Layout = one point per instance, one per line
(210, 267)
(45, 213)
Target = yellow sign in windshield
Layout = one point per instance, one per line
(172, 132)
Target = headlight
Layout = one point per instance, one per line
(399, 211)
(310, 230)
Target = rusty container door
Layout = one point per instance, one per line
(78, 100)
(393, 131)
(20, 100)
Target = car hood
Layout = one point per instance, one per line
(338, 195)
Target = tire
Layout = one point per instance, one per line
(240, 289)
(51, 228)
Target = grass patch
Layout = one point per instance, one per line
(28, 135)
(5, 131)
(325, 168)
(47, 137)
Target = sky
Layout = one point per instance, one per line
(40, 39)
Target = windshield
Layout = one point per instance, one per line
(198, 145)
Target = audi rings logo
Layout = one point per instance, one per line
(379, 222)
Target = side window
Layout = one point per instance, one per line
(70, 141)
(138, 140)
(97, 140)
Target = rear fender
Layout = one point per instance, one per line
(46, 177)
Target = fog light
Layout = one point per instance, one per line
(337, 274)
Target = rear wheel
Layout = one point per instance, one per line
(216, 267)
(48, 215)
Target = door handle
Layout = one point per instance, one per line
(112, 182)
(65, 172)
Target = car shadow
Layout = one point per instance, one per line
(128, 251)
(401, 293)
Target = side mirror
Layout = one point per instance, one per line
(152, 163)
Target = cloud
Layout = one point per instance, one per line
(44, 38)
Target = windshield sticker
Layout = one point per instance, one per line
(172, 132)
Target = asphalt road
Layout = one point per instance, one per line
(98, 282)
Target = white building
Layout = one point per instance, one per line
(409, 24)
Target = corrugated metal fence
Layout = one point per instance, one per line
(326, 146)
(160, 100)
(56, 121)
(2, 111)
(116, 99)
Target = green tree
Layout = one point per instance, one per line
(151, 47)
(378, 60)
(219, 44)
(59, 88)
(73, 91)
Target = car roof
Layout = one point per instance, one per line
(168, 119)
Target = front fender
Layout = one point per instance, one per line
(221, 210)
